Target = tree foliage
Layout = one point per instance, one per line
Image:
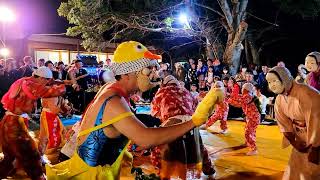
(99, 22)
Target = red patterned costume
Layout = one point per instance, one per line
(14, 137)
(174, 104)
(252, 117)
(221, 113)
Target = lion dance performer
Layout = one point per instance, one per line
(174, 104)
(16, 142)
(51, 128)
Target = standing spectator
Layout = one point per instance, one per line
(108, 62)
(81, 78)
(55, 74)
(262, 82)
(61, 70)
(27, 69)
(263, 102)
(40, 63)
(10, 73)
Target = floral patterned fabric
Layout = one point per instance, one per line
(172, 100)
(252, 117)
(221, 113)
(186, 153)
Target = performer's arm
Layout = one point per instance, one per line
(51, 91)
(140, 134)
(310, 105)
(235, 100)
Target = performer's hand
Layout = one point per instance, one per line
(313, 156)
(205, 107)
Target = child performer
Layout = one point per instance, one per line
(221, 111)
(51, 128)
(248, 102)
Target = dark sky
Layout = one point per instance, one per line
(37, 16)
(300, 35)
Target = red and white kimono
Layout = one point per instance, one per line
(16, 142)
(174, 104)
(252, 117)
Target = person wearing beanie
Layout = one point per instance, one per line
(14, 136)
(247, 101)
(298, 115)
(174, 104)
(221, 110)
(312, 64)
(108, 123)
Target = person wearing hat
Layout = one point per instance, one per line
(247, 101)
(14, 136)
(108, 123)
(298, 115)
(312, 64)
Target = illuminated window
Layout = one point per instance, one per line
(64, 57)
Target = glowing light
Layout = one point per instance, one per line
(183, 19)
(4, 52)
(6, 15)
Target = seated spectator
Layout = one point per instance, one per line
(250, 78)
(225, 72)
(194, 91)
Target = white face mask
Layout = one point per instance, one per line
(244, 69)
(225, 71)
(274, 83)
(311, 64)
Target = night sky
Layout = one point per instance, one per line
(299, 35)
(37, 16)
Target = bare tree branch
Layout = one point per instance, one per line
(226, 10)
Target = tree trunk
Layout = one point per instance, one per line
(234, 47)
(209, 49)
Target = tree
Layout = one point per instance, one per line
(95, 20)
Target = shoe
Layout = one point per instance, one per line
(252, 152)
(224, 131)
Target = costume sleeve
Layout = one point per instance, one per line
(235, 100)
(36, 90)
(284, 123)
(310, 105)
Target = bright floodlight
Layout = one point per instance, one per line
(183, 19)
(4, 52)
(6, 15)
